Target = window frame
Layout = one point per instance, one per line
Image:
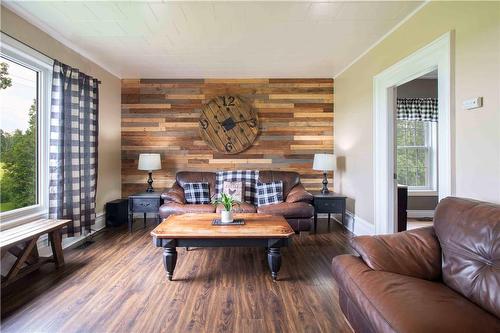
(430, 136)
(19, 52)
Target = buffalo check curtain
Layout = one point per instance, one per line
(422, 109)
(73, 147)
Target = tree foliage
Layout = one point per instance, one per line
(5, 80)
(411, 158)
(18, 184)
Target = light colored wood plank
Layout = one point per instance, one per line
(327, 97)
(146, 106)
(313, 115)
(313, 137)
(240, 161)
(181, 96)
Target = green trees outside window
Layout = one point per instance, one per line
(413, 153)
(18, 136)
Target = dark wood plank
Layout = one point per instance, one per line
(118, 284)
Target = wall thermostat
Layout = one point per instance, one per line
(473, 103)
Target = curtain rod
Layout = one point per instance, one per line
(20, 41)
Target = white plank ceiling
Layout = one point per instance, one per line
(217, 39)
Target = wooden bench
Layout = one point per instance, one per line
(21, 242)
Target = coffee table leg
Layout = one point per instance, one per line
(274, 261)
(169, 261)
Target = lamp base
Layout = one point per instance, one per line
(325, 190)
(150, 183)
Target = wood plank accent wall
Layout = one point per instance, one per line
(161, 116)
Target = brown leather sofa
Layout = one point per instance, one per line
(444, 278)
(296, 208)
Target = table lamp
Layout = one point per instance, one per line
(149, 162)
(325, 163)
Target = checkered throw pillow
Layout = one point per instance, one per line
(197, 193)
(269, 193)
(249, 178)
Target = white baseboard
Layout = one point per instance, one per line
(100, 223)
(420, 213)
(358, 225)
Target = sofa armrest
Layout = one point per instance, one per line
(175, 194)
(299, 194)
(414, 253)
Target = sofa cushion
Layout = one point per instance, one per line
(241, 208)
(299, 193)
(414, 253)
(175, 194)
(398, 303)
(469, 234)
(176, 208)
(269, 193)
(288, 210)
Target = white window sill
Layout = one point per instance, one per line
(422, 193)
(14, 221)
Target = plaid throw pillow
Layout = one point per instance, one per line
(269, 193)
(248, 177)
(197, 193)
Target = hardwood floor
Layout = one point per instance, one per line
(417, 223)
(118, 284)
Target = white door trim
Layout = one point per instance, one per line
(436, 55)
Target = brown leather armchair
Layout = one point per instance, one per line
(444, 278)
(296, 208)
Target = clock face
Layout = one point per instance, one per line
(228, 124)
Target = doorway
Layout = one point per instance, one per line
(436, 56)
(416, 151)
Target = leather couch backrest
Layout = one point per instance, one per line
(469, 234)
(183, 177)
(289, 179)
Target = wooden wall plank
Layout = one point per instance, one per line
(161, 116)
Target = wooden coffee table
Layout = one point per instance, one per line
(196, 230)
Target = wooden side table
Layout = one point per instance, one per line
(144, 202)
(330, 203)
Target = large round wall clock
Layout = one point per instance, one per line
(228, 124)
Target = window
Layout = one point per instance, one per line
(416, 166)
(24, 111)
(18, 136)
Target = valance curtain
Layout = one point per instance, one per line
(422, 109)
(73, 147)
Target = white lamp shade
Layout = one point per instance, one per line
(325, 162)
(149, 162)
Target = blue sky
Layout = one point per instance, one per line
(16, 100)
